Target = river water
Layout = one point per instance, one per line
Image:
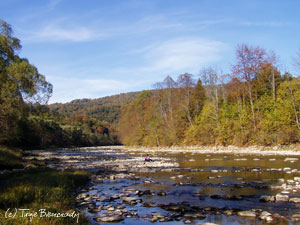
(216, 185)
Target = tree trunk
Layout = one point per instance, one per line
(252, 109)
(294, 107)
(273, 86)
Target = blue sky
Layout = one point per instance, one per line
(96, 48)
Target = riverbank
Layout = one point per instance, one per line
(249, 150)
(31, 193)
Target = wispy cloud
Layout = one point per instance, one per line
(65, 29)
(183, 54)
(265, 24)
(67, 89)
(53, 32)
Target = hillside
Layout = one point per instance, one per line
(104, 109)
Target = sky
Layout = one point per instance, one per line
(97, 48)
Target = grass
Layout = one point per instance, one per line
(35, 189)
(10, 158)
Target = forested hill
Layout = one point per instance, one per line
(254, 105)
(103, 109)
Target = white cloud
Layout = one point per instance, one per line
(55, 33)
(183, 54)
(67, 89)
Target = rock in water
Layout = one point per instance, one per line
(247, 214)
(267, 198)
(109, 217)
(207, 223)
(266, 216)
(294, 200)
(194, 215)
(282, 198)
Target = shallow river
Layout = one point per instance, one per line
(216, 185)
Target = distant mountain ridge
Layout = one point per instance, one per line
(105, 109)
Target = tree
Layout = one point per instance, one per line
(210, 78)
(249, 62)
(20, 83)
(186, 85)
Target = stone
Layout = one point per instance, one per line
(121, 166)
(265, 215)
(232, 197)
(281, 198)
(130, 200)
(161, 193)
(228, 212)
(290, 181)
(207, 223)
(109, 217)
(195, 215)
(153, 220)
(94, 210)
(130, 190)
(294, 200)
(216, 196)
(267, 198)
(295, 217)
(111, 208)
(291, 159)
(146, 192)
(246, 214)
(148, 181)
(158, 215)
(148, 204)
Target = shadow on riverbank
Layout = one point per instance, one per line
(46, 194)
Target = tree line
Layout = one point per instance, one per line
(254, 104)
(25, 120)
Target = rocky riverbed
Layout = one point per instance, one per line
(184, 187)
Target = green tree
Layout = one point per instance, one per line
(20, 83)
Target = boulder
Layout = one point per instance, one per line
(281, 198)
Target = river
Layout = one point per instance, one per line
(182, 187)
